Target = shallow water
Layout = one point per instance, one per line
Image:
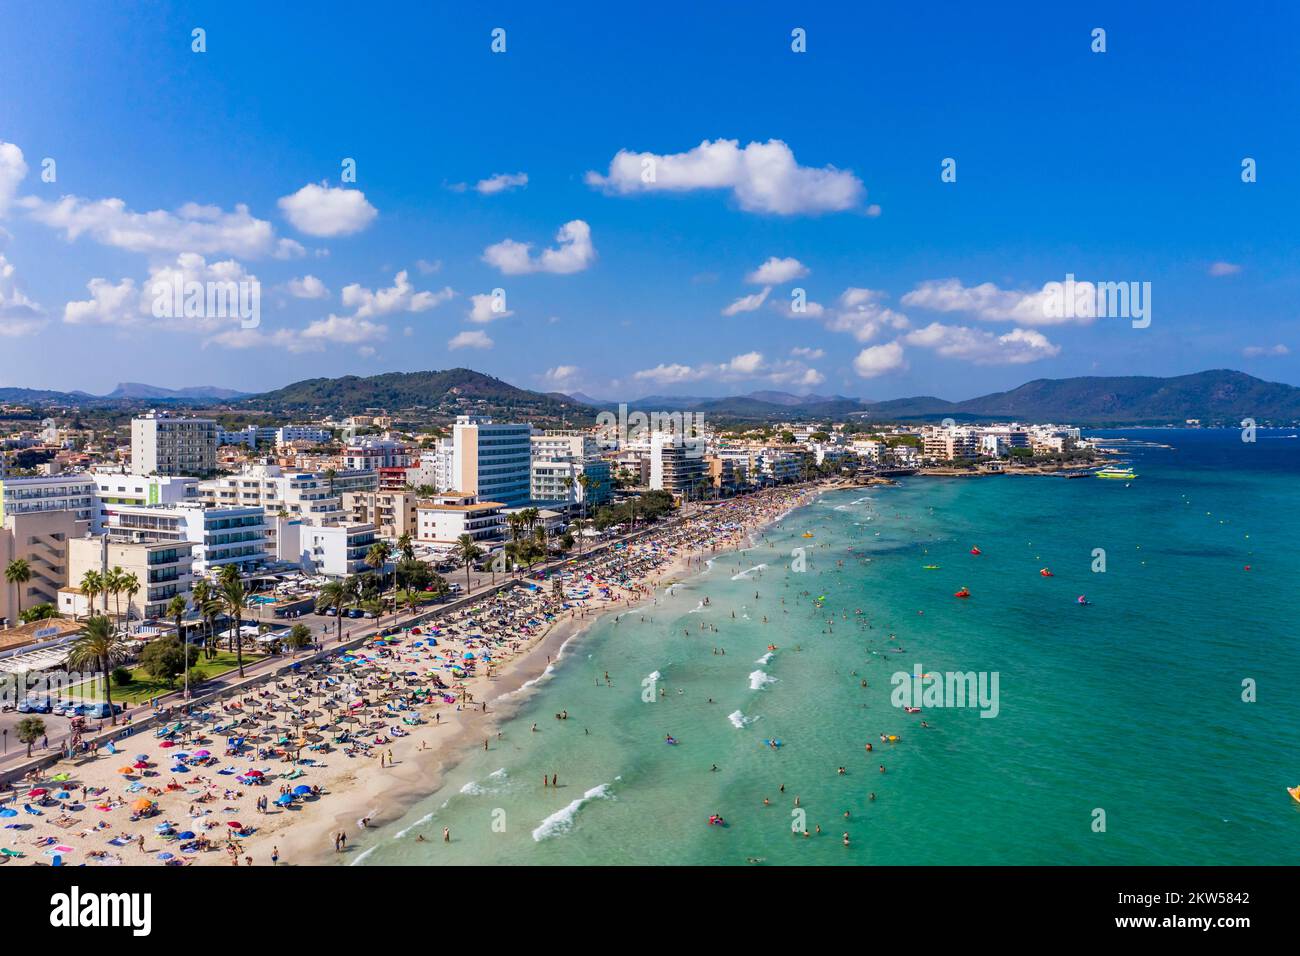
(1131, 704)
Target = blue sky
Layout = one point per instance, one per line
(1115, 166)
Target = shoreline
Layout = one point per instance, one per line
(305, 849)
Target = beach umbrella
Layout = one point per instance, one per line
(166, 856)
(140, 765)
(142, 804)
(185, 835)
(61, 777)
(38, 792)
(167, 743)
(235, 825)
(63, 795)
(8, 812)
(302, 790)
(126, 770)
(202, 753)
(141, 756)
(284, 800)
(254, 773)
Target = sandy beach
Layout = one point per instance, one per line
(279, 773)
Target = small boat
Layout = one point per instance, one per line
(976, 551)
(963, 593)
(912, 710)
(1295, 793)
(1116, 474)
(1046, 572)
(931, 567)
(773, 743)
(808, 534)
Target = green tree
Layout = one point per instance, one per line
(92, 585)
(45, 611)
(299, 636)
(99, 647)
(130, 587)
(166, 658)
(233, 597)
(467, 551)
(18, 572)
(30, 730)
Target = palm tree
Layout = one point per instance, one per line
(338, 595)
(378, 555)
(203, 603)
(587, 483)
(467, 551)
(114, 583)
(406, 546)
(176, 610)
(232, 597)
(18, 572)
(99, 646)
(92, 585)
(131, 586)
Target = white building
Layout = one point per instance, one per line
(371, 454)
(220, 536)
(113, 491)
(492, 460)
(250, 437)
(675, 465)
(75, 493)
(304, 495)
(312, 433)
(165, 445)
(336, 551)
(446, 517)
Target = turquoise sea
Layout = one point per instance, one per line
(1130, 704)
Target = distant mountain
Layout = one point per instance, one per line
(579, 397)
(785, 398)
(137, 390)
(1219, 395)
(443, 394)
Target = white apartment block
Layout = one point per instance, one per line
(163, 568)
(492, 460)
(312, 433)
(676, 465)
(220, 536)
(305, 495)
(336, 551)
(166, 445)
(444, 519)
(371, 454)
(559, 444)
(113, 490)
(75, 493)
(250, 437)
(559, 481)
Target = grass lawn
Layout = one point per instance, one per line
(142, 686)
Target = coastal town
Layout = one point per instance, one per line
(186, 583)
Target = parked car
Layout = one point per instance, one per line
(101, 711)
(64, 708)
(353, 612)
(34, 705)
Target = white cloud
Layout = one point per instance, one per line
(879, 360)
(401, 297)
(573, 253)
(1016, 347)
(127, 304)
(777, 272)
(12, 172)
(811, 354)
(205, 230)
(1220, 269)
(860, 313)
(346, 330)
(747, 303)
(1265, 351)
(750, 365)
(561, 377)
(501, 182)
(763, 177)
(108, 304)
(482, 309)
(428, 268)
(308, 287)
(323, 210)
(988, 303)
(19, 315)
(476, 339)
(291, 249)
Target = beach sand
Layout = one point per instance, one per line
(369, 783)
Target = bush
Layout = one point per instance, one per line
(121, 676)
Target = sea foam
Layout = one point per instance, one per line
(758, 680)
(561, 821)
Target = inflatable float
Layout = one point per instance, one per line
(976, 551)
(1046, 572)
(963, 593)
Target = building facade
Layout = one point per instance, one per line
(165, 445)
